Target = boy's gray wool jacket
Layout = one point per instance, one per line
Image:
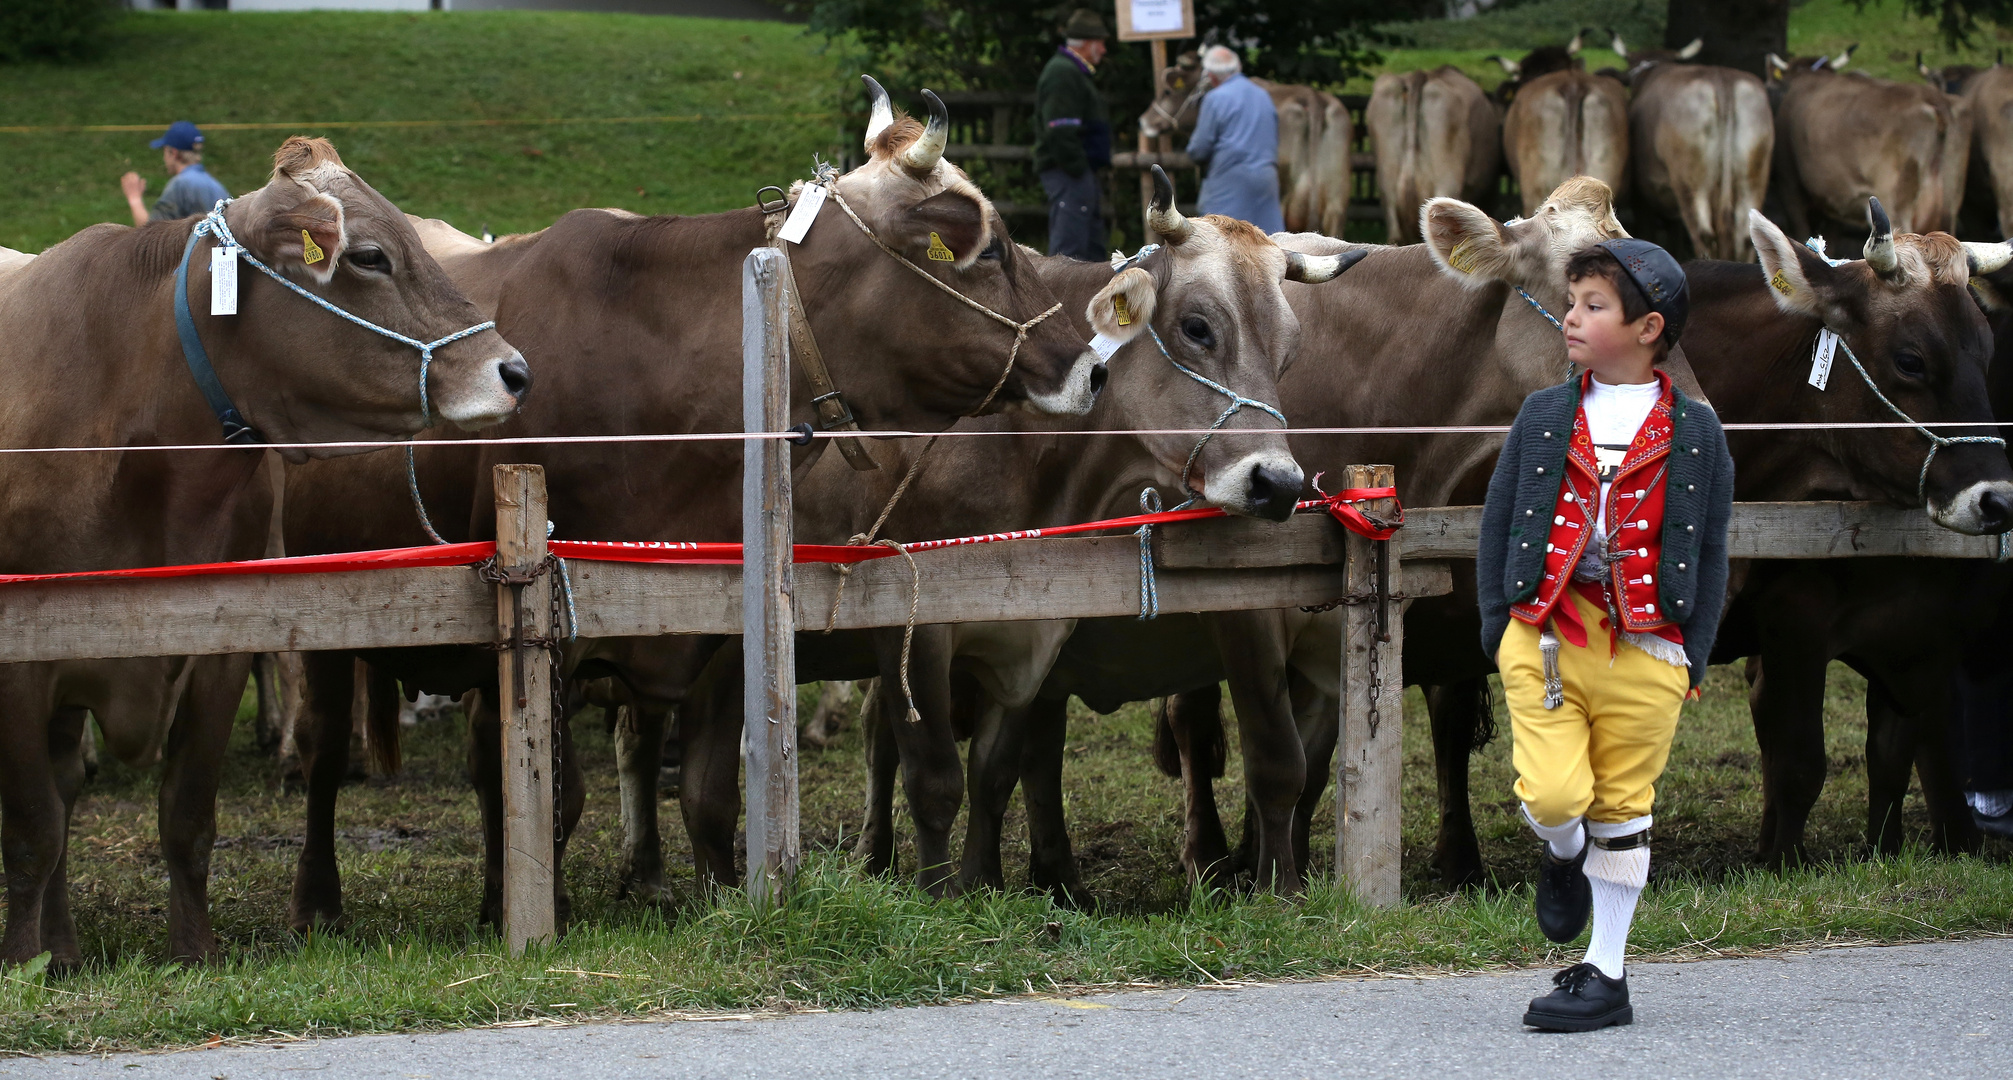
(1523, 493)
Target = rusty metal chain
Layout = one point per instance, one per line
(517, 578)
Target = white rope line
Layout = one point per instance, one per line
(798, 436)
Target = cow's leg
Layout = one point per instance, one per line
(66, 758)
(1890, 759)
(194, 766)
(1193, 723)
(31, 807)
(1786, 695)
(933, 775)
(1457, 718)
(323, 738)
(876, 843)
(1051, 861)
(1318, 717)
(639, 754)
(485, 774)
(1924, 701)
(998, 740)
(1254, 653)
(709, 792)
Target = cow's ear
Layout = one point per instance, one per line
(1991, 300)
(1466, 242)
(1124, 306)
(951, 226)
(310, 233)
(1801, 282)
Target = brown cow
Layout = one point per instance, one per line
(1538, 63)
(1436, 134)
(1842, 137)
(1988, 95)
(1702, 138)
(1566, 124)
(89, 349)
(1217, 304)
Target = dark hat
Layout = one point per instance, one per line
(1659, 277)
(182, 135)
(1085, 25)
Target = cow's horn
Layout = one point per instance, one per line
(1165, 217)
(1841, 59)
(1615, 43)
(883, 112)
(1692, 49)
(1510, 67)
(1880, 241)
(1315, 269)
(923, 154)
(1579, 41)
(1777, 62)
(1987, 258)
(1921, 68)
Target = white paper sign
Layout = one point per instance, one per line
(1156, 16)
(1820, 358)
(1104, 346)
(223, 280)
(809, 202)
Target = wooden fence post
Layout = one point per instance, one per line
(524, 700)
(768, 609)
(1369, 762)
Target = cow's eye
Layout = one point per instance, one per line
(994, 251)
(1910, 364)
(369, 258)
(1197, 329)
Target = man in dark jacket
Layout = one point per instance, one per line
(1073, 139)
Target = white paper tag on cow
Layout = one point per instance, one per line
(1105, 345)
(224, 280)
(809, 202)
(1820, 358)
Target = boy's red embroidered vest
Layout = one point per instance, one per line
(1635, 523)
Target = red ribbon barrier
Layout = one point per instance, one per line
(1337, 505)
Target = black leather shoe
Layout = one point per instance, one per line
(1585, 1000)
(1565, 898)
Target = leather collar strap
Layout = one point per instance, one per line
(833, 412)
(236, 430)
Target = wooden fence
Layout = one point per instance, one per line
(1209, 565)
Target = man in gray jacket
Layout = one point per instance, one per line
(191, 189)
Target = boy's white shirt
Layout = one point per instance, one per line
(1615, 412)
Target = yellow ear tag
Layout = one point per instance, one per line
(311, 253)
(1781, 282)
(938, 252)
(1461, 258)
(1118, 305)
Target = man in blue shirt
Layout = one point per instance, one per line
(190, 190)
(1237, 139)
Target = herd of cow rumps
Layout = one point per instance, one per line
(614, 324)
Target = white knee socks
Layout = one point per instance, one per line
(1617, 878)
(1565, 841)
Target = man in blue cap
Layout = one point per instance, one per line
(190, 190)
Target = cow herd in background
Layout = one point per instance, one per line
(1697, 145)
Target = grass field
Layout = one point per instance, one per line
(753, 102)
(411, 957)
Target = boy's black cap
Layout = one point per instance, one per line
(1659, 277)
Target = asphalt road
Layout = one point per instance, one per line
(1943, 1011)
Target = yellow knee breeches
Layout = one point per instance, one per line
(1599, 754)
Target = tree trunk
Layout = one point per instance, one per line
(1737, 33)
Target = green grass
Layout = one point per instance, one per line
(409, 845)
(763, 90)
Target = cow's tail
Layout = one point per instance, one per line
(381, 729)
(1728, 164)
(1573, 137)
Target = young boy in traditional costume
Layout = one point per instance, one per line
(1602, 572)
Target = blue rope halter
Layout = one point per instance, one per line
(236, 430)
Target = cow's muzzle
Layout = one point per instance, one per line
(1262, 485)
(1982, 508)
(1078, 391)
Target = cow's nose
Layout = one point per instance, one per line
(1995, 511)
(516, 376)
(1098, 374)
(1275, 487)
